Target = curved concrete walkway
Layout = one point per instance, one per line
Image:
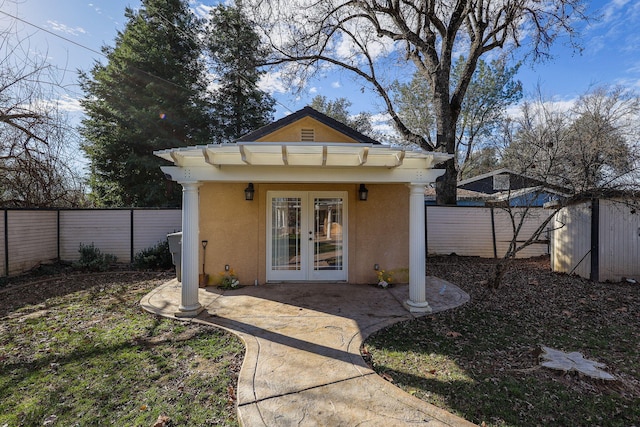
(302, 364)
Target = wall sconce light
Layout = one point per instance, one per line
(249, 192)
(363, 193)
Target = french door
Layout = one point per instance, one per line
(306, 236)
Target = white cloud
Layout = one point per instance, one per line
(96, 8)
(272, 83)
(313, 90)
(69, 104)
(611, 11)
(200, 10)
(552, 105)
(381, 124)
(65, 104)
(63, 28)
(336, 85)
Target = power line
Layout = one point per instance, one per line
(132, 66)
(91, 50)
(52, 33)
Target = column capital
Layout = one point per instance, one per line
(417, 187)
(190, 184)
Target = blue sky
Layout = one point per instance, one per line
(611, 52)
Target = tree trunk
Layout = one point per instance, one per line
(498, 274)
(447, 185)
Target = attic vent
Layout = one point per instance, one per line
(307, 135)
(501, 182)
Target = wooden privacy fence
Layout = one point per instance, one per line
(30, 237)
(481, 231)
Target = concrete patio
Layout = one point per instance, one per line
(302, 364)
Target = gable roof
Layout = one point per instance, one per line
(307, 112)
(487, 175)
(462, 194)
(521, 181)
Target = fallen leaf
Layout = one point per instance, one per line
(231, 392)
(454, 334)
(387, 377)
(51, 419)
(162, 421)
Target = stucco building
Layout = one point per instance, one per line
(304, 199)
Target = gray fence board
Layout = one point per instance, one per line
(468, 231)
(107, 230)
(151, 227)
(33, 236)
(32, 239)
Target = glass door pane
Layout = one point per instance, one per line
(328, 238)
(286, 214)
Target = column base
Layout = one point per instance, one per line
(189, 311)
(417, 307)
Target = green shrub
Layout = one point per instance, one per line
(92, 259)
(156, 257)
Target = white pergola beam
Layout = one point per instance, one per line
(303, 174)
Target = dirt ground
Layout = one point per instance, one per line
(40, 285)
(600, 319)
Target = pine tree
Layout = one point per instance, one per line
(239, 106)
(148, 96)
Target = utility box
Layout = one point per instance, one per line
(175, 247)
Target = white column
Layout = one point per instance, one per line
(189, 304)
(417, 302)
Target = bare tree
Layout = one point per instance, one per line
(592, 145)
(35, 167)
(587, 151)
(370, 38)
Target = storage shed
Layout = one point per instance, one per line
(598, 239)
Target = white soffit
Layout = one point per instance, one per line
(302, 154)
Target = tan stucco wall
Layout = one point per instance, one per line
(230, 224)
(292, 132)
(383, 233)
(236, 229)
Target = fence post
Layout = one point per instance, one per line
(493, 234)
(131, 258)
(426, 234)
(58, 234)
(595, 240)
(6, 242)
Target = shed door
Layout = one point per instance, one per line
(307, 236)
